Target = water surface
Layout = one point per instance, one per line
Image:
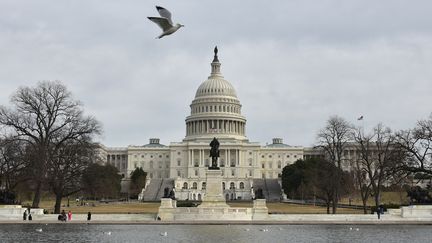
(214, 233)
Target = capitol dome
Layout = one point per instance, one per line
(216, 110)
(216, 86)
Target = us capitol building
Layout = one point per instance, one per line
(215, 112)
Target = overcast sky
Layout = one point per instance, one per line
(293, 63)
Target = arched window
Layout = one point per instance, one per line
(203, 186)
(223, 185)
(232, 185)
(194, 185)
(199, 197)
(185, 185)
(241, 185)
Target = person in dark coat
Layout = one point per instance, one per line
(88, 216)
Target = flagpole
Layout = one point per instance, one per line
(361, 118)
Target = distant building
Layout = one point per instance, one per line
(215, 112)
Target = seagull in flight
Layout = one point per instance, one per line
(165, 22)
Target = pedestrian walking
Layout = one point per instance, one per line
(88, 216)
(25, 215)
(30, 217)
(69, 215)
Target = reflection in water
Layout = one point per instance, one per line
(214, 233)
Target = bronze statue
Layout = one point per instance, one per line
(215, 59)
(214, 153)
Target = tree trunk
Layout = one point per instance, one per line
(364, 196)
(335, 200)
(58, 203)
(364, 206)
(377, 199)
(37, 195)
(328, 207)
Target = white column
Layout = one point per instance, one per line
(237, 156)
(226, 156)
(190, 157)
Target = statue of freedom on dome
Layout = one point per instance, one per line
(214, 154)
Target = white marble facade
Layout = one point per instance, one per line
(215, 112)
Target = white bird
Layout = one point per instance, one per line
(108, 233)
(165, 22)
(164, 234)
(39, 230)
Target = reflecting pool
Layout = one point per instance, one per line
(214, 233)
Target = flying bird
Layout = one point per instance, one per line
(165, 22)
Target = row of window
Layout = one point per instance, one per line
(151, 166)
(203, 185)
(270, 156)
(233, 172)
(113, 157)
(270, 165)
(216, 108)
(151, 155)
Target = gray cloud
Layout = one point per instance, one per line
(293, 63)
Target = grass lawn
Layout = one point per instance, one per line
(152, 207)
(297, 209)
(386, 198)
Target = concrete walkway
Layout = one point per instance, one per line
(294, 219)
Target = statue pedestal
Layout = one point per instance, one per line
(167, 209)
(259, 209)
(213, 197)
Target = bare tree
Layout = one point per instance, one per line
(13, 163)
(45, 117)
(360, 179)
(378, 156)
(417, 142)
(66, 167)
(333, 139)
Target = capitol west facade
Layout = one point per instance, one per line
(215, 112)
